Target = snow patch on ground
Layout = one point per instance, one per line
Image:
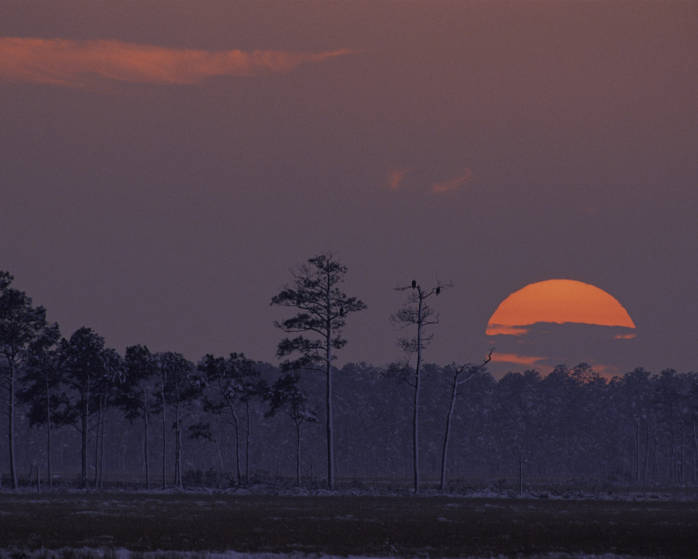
(121, 553)
(625, 495)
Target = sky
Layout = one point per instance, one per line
(165, 164)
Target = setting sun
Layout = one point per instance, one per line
(558, 301)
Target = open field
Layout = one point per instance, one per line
(342, 525)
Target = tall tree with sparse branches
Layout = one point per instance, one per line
(321, 312)
(417, 313)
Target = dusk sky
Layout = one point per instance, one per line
(163, 165)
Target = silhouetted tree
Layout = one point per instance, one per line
(105, 393)
(230, 383)
(693, 411)
(460, 375)
(20, 325)
(416, 313)
(286, 393)
(138, 394)
(181, 385)
(42, 386)
(87, 367)
(322, 308)
(635, 403)
(519, 410)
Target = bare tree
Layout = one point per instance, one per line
(322, 308)
(461, 375)
(418, 314)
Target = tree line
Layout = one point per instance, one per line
(639, 428)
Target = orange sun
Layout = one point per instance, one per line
(559, 301)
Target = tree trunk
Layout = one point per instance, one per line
(672, 461)
(164, 435)
(636, 461)
(96, 453)
(11, 422)
(682, 478)
(146, 461)
(180, 455)
(236, 424)
(84, 412)
(247, 442)
(645, 458)
(48, 435)
(102, 422)
(328, 395)
(298, 454)
(447, 431)
(330, 432)
(220, 460)
(695, 453)
(98, 433)
(415, 412)
(178, 449)
(654, 454)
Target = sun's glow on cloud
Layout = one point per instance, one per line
(606, 371)
(516, 359)
(625, 336)
(559, 301)
(395, 178)
(79, 63)
(452, 184)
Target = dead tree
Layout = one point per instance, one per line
(461, 375)
(417, 313)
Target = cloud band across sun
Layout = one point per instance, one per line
(78, 63)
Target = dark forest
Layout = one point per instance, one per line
(80, 413)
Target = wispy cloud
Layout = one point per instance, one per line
(395, 178)
(517, 359)
(452, 184)
(79, 63)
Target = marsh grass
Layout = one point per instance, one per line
(340, 525)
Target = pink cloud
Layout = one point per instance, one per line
(395, 178)
(78, 63)
(452, 184)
